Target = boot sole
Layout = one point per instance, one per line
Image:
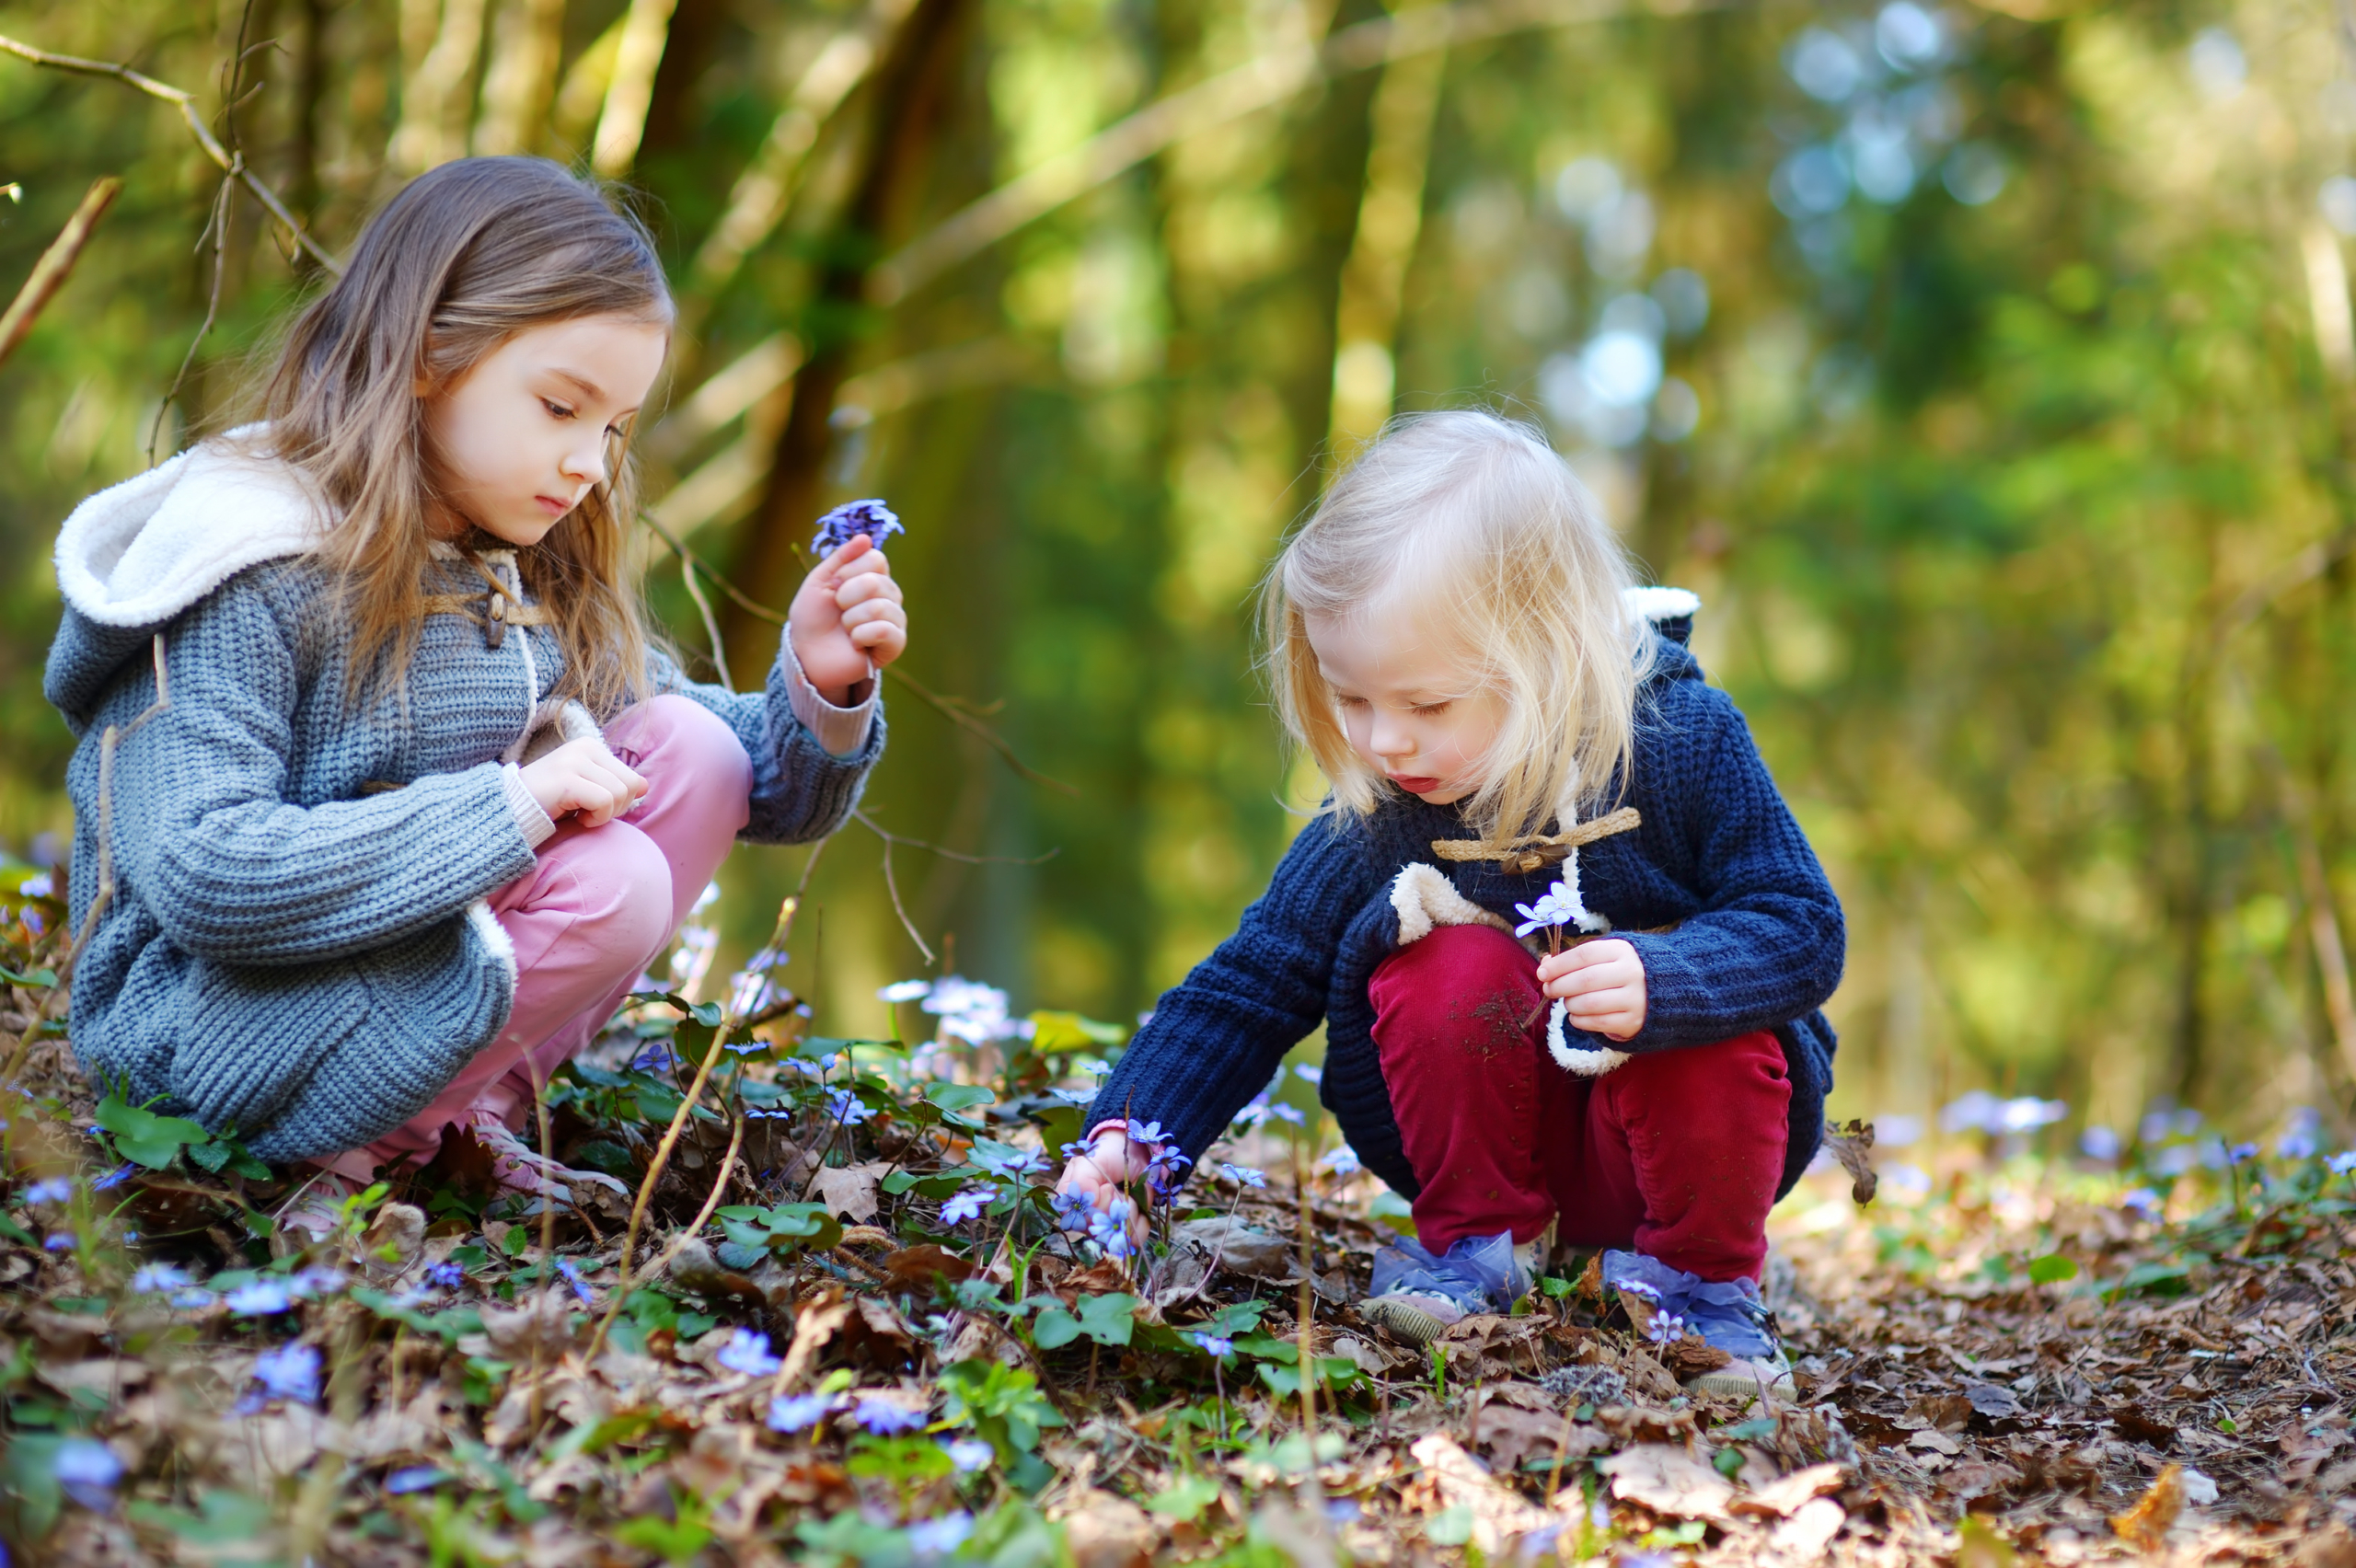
(1406, 1322)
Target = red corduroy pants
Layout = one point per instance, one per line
(1674, 1154)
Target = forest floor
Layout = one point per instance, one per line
(851, 1331)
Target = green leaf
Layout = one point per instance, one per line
(1108, 1320)
(145, 1138)
(2051, 1269)
(958, 1096)
(18, 1233)
(1263, 1347)
(1054, 1328)
(1185, 1499)
(39, 979)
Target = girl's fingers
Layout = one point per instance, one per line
(867, 587)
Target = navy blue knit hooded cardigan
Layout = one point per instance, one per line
(1757, 944)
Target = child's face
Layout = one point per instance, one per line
(1414, 709)
(522, 438)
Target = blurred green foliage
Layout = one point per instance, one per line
(1987, 370)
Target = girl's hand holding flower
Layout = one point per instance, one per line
(1603, 983)
(1100, 1176)
(847, 613)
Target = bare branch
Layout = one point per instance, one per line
(231, 167)
(49, 273)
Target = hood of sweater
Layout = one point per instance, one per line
(135, 556)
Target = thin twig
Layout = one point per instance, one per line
(729, 1023)
(892, 886)
(948, 854)
(711, 622)
(49, 273)
(218, 228)
(186, 103)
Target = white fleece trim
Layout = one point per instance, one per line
(139, 553)
(1425, 898)
(1577, 1059)
(494, 937)
(1657, 605)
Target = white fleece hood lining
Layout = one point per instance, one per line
(141, 552)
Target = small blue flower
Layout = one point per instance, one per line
(290, 1372)
(1343, 1161)
(1666, 1328)
(748, 1352)
(938, 1537)
(851, 519)
(415, 1478)
(40, 884)
(192, 1299)
(798, 1412)
(59, 1241)
(968, 1453)
(1021, 1162)
(2242, 1152)
(886, 1417)
(55, 1190)
(845, 1107)
(2145, 1203)
(965, 1204)
(1218, 1346)
(571, 1273)
(445, 1275)
(1146, 1132)
(1075, 1096)
(88, 1470)
(112, 1178)
(2342, 1162)
(155, 1279)
(316, 1280)
(1284, 1113)
(261, 1299)
(1308, 1074)
(906, 991)
(1245, 1174)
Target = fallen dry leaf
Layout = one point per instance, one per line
(1456, 1480)
(1808, 1533)
(1105, 1532)
(850, 1190)
(1786, 1495)
(2146, 1525)
(1669, 1479)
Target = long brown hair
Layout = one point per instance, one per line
(462, 259)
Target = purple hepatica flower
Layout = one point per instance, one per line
(112, 1178)
(415, 1478)
(570, 1271)
(88, 1470)
(55, 1190)
(1146, 1132)
(968, 1453)
(1217, 1345)
(1245, 1174)
(1666, 1328)
(1256, 1112)
(2145, 1202)
(1022, 1162)
(192, 1299)
(1343, 1161)
(1073, 1210)
(1075, 1096)
(261, 1299)
(851, 519)
(965, 1204)
(445, 1275)
(316, 1280)
(2342, 1162)
(290, 1372)
(655, 1058)
(40, 884)
(799, 1412)
(938, 1537)
(748, 1352)
(61, 1242)
(845, 1107)
(155, 1279)
(886, 1417)
(1284, 1112)
(2242, 1152)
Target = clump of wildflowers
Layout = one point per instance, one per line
(748, 1352)
(291, 1372)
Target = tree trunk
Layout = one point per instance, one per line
(910, 93)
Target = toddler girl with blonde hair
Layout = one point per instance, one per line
(1567, 943)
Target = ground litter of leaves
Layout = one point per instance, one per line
(2005, 1362)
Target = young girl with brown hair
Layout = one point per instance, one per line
(1517, 743)
(401, 798)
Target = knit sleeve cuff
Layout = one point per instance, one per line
(534, 823)
(842, 731)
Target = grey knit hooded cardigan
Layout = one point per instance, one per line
(293, 950)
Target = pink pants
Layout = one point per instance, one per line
(1674, 1154)
(589, 917)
